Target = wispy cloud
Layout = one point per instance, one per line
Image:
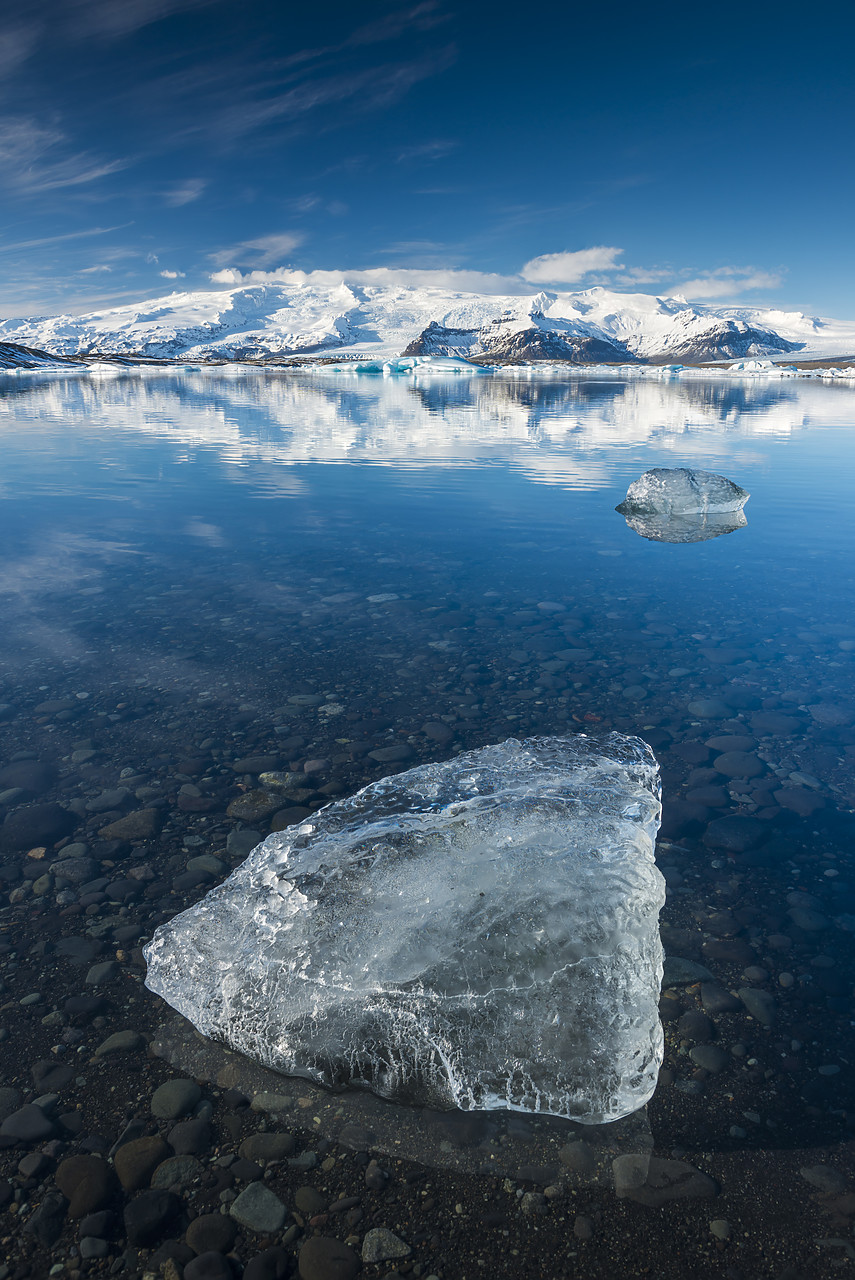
(184, 192)
(112, 19)
(34, 158)
(726, 281)
(18, 41)
(173, 275)
(571, 266)
(96, 270)
(261, 252)
(426, 152)
(41, 241)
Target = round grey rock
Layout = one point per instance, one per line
(174, 1099)
(381, 1245)
(258, 1209)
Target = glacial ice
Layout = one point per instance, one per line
(696, 527)
(480, 933)
(680, 491)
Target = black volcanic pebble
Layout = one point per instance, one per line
(47, 1221)
(190, 1137)
(325, 1258)
(148, 1216)
(696, 1026)
(36, 824)
(272, 1264)
(735, 834)
(211, 1233)
(209, 1266)
(29, 775)
(28, 1124)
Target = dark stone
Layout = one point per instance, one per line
(729, 950)
(87, 1182)
(266, 1146)
(735, 834)
(47, 1221)
(680, 817)
(209, 1266)
(715, 999)
(211, 1232)
(98, 1224)
(84, 1006)
(148, 1216)
(323, 1258)
(35, 825)
(137, 1160)
(438, 731)
(32, 778)
(28, 1124)
(49, 1076)
(190, 1137)
(143, 824)
(695, 1026)
(272, 1264)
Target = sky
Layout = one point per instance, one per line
(150, 146)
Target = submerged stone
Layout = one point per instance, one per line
(481, 933)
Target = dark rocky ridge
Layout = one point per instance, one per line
(14, 356)
(725, 340)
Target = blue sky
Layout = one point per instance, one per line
(152, 145)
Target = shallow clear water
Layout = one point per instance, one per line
(187, 557)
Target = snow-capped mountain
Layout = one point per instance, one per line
(260, 322)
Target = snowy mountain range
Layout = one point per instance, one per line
(281, 321)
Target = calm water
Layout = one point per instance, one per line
(187, 557)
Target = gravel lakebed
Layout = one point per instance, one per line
(126, 796)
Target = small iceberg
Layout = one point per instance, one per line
(480, 933)
(680, 491)
(677, 504)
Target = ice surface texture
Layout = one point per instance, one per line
(679, 491)
(481, 933)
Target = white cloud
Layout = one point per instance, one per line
(570, 267)
(31, 158)
(91, 271)
(644, 275)
(726, 281)
(388, 277)
(184, 192)
(264, 250)
(69, 235)
(173, 275)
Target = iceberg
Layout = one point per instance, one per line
(680, 491)
(699, 527)
(479, 934)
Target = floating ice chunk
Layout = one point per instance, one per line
(686, 528)
(405, 365)
(481, 933)
(679, 491)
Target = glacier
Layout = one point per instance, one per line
(346, 314)
(476, 934)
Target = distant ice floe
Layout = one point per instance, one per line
(405, 366)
